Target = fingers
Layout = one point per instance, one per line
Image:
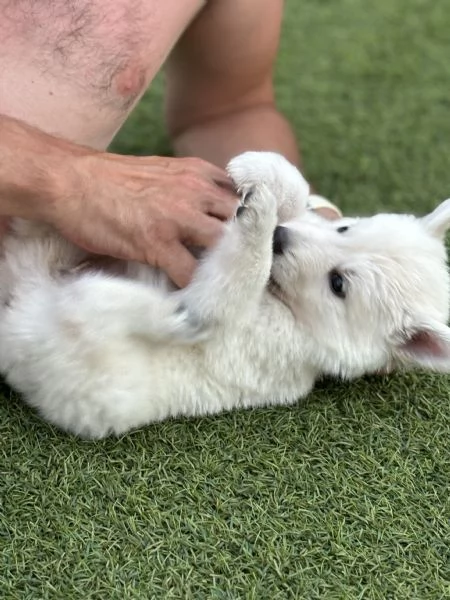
(178, 263)
(4, 225)
(209, 170)
(223, 206)
(175, 166)
(221, 181)
(164, 204)
(203, 231)
(227, 185)
(213, 188)
(173, 256)
(217, 176)
(221, 201)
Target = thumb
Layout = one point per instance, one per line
(178, 263)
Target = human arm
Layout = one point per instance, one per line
(137, 208)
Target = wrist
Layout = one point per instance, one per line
(35, 171)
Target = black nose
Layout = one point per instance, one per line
(280, 239)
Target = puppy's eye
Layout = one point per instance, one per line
(337, 284)
(342, 229)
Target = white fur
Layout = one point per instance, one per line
(98, 354)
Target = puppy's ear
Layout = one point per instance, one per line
(426, 346)
(438, 221)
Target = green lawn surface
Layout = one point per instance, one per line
(343, 496)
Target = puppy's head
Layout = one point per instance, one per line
(367, 292)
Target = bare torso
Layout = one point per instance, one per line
(76, 68)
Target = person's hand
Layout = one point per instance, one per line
(146, 209)
(4, 222)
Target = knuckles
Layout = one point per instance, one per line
(160, 233)
(198, 164)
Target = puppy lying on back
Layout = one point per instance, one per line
(283, 299)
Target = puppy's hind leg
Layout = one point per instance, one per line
(120, 307)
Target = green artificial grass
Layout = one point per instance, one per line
(344, 496)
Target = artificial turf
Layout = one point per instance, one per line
(345, 495)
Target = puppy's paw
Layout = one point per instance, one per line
(251, 170)
(258, 210)
(183, 326)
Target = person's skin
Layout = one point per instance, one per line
(74, 71)
(136, 208)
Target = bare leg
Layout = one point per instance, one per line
(256, 128)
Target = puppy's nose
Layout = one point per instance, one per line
(280, 239)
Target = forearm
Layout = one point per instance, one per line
(33, 170)
(217, 140)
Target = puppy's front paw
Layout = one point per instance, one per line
(251, 170)
(258, 210)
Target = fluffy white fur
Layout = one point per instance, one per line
(99, 354)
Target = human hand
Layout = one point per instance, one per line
(146, 209)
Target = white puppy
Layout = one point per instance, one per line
(271, 309)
